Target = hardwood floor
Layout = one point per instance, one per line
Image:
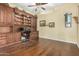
(45, 47)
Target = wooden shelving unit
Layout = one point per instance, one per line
(21, 18)
(14, 18)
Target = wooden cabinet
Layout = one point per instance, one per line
(34, 36)
(6, 15)
(10, 38)
(17, 36)
(9, 15)
(34, 23)
(13, 37)
(2, 14)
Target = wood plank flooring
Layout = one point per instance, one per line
(46, 47)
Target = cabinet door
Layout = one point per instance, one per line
(3, 38)
(9, 15)
(10, 38)
(34, 23)
(34, 36)
(2, 14)
(6, 15)
(17, 36)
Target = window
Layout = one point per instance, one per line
(68, 20)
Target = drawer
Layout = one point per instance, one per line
(3, 42)
(3, 35)
(5, 30)
(2, 38)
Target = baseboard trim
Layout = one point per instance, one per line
(61, 40)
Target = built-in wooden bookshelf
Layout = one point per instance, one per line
(10, 20)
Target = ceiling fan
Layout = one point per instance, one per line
(38, 5)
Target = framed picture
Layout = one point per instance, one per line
(51, 24)
(43, 23)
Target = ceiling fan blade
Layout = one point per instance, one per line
(43, 8)
(37, 4)
(41, 3)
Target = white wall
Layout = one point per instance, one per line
(59, 33)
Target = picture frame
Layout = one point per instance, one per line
(51, 24)
(43, 23)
